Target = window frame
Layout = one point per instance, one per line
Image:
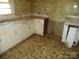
(12, 9)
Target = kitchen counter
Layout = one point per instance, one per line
(24, 17)
(72, 23)
(16, 29)
(71, 31)
(72, 20)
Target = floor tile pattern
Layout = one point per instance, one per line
(42, 47)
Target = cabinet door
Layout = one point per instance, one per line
(65, 29)
(23, 30)
(19, 32)
(7, 41)
(39, 26)
(29, 28)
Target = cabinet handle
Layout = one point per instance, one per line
(29, 27)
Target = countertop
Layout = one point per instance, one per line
(72, 20)
(72, 23)
(24, 17)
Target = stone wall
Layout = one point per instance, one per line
(22, 7)
(56, 9)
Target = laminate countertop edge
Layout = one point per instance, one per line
(25, 17)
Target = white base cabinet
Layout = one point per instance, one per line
(65, 29)
(70, 35)
(8, 40)
(12, 36)
(20, 31)
(39, 26)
